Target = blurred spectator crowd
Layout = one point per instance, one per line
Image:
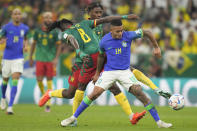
(173, 22)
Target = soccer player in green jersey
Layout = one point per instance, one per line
(88, 43)
(47, 46)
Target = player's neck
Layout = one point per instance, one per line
(44, 28)
(16, 23)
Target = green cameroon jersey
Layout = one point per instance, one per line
(98, 30)
(84, 34)
(74, 34)
(46, 44)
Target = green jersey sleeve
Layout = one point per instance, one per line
(90, 23)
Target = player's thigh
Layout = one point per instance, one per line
(106, 80)
(17, 68)
(127, 79)
(73, 79)
(115, 89)
(88, 69)
(50, 70)
(6, 68)
(40, 69)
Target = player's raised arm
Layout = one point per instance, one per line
(156, 51)
(108, 19)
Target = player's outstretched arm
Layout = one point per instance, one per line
(156, 51)
(108, 19)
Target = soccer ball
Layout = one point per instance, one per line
(176, 101)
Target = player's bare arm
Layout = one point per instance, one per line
(25, 45)
(31, 53)
(58, 52)
(108, 19)
(156, 51)
(73, 41)
(100, 64)
(75, 44)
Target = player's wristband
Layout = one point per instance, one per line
(125, 17)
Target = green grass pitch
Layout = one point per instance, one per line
(29, 117)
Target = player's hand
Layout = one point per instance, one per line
(31, 62)
(132, 16)
(157, 52)
(95, 78)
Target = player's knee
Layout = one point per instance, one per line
(82, 86)
(136, 90)
(67, 94)
(115, 90)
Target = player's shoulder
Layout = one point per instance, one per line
(9, 24)
(128, 34)
(86, 22)
(24, 26)
(107, 37)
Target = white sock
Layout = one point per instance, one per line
(131, 116)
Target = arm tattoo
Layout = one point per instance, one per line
(73, 41)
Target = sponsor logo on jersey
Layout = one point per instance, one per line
(124, 44)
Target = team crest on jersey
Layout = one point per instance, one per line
(124, 44)
(22, 33)
(50, 36)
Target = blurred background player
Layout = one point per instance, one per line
(48, 48)
(116, 45)
(12, 64)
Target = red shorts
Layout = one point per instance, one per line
(88, 69)
(73, 78)
(45, 69)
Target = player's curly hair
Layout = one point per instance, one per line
(59, 24)
(94, 5)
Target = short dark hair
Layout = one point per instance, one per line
(94, 5)
(116, 23)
